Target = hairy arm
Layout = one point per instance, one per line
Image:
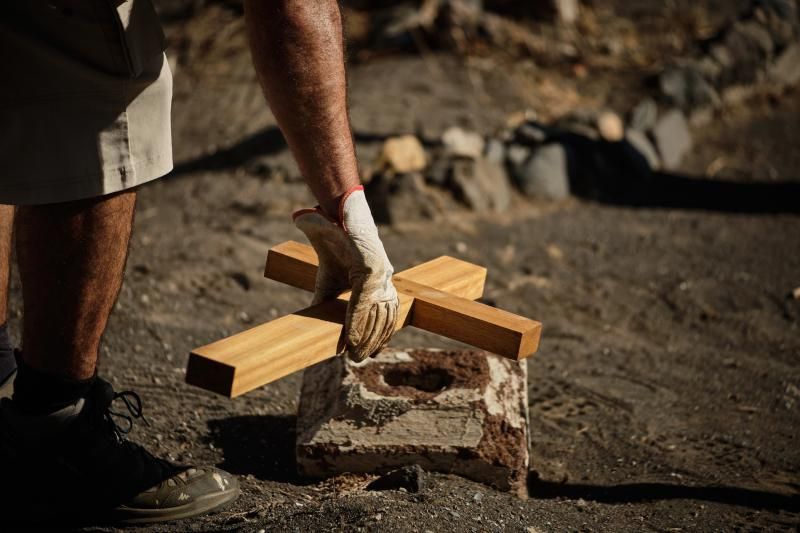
(298, 53)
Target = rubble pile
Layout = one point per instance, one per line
(595, 153)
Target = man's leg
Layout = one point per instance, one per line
(60, 430)
(7, 363)
(71, 259)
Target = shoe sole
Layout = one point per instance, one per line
(201, 506)
(7, 386)
(123, 516)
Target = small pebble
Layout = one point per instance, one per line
(610, 126)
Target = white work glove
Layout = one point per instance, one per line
(351, 256)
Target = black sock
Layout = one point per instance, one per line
(40, 393)
(7, 361)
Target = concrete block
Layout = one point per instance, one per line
(459, 412)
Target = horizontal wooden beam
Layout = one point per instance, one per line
(265, 353)
(444, 313)
(473, 323)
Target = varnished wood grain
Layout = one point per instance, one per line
(273, 350)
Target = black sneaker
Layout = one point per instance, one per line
(78, 461)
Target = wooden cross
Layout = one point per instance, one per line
(436, 296)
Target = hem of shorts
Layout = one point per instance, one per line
(49, 193)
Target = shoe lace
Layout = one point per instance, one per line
(133, 403)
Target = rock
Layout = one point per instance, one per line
(758, 35)
(685, 87)
(672, 138)
(779, 17)
(396, 24)
(639, 141)
(567, 10)
(749, 46)
(786, 68)
(709, 68)
(495, 151)
(403, 154)
(531, 133)
(462, 143)
(462, 413)
(545, 174)
(701, 117)
(610, 126)
(517, 155)
(734, 95)
(785, 9)
(644, 115)
(580, 122)
(481, 184)
(411, 478)
(721, 55)
(400, 198)
(438, 172)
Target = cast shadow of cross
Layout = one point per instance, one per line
(647, 492)
(617, 173)
(261, 446)
(264, 447)
(613, 173)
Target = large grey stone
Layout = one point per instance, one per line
(639, 141)
(481, 184)
(672, 138)
(495, 151)
(684, 86)
(402, 198)
(545, 174)
(460, 412)
(786, 68)
(644, 115)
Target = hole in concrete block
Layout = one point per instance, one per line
(425, 379)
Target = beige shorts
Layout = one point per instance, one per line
(85, 99)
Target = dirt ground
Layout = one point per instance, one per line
(666, 392)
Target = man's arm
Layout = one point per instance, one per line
(298, 52)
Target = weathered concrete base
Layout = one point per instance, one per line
(460, 412)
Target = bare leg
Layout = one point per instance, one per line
(7, 363)
(298, 52)
(71, 259)
(6, 226)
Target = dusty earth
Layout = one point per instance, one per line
(666, 392)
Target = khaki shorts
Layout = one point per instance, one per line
(85, 99)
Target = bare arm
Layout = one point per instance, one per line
(298, 52)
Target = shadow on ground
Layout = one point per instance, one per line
(262, 446)
(613, 173)
(646, 492)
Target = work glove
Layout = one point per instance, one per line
(351, 256)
